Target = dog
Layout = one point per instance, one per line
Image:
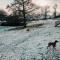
(53, 44)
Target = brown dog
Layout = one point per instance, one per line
(53, 44)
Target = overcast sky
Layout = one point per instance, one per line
(3, 3)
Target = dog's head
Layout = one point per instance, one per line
(56, 41)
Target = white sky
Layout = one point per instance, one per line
(46, 2)
(51, 3)
(3, 3)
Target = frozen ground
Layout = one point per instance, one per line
(32, 45)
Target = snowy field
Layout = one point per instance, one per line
(32, 45)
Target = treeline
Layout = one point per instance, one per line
(23, 11)
(20, 9)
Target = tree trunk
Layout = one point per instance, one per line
(24, 14)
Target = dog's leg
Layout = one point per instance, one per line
(48, 49)
(54, 51)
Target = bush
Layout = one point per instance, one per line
(13, 21)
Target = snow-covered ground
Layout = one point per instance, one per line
(32, 45)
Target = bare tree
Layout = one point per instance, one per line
(55, 10)
(19, 8)
(22, 8)
(46, 11)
